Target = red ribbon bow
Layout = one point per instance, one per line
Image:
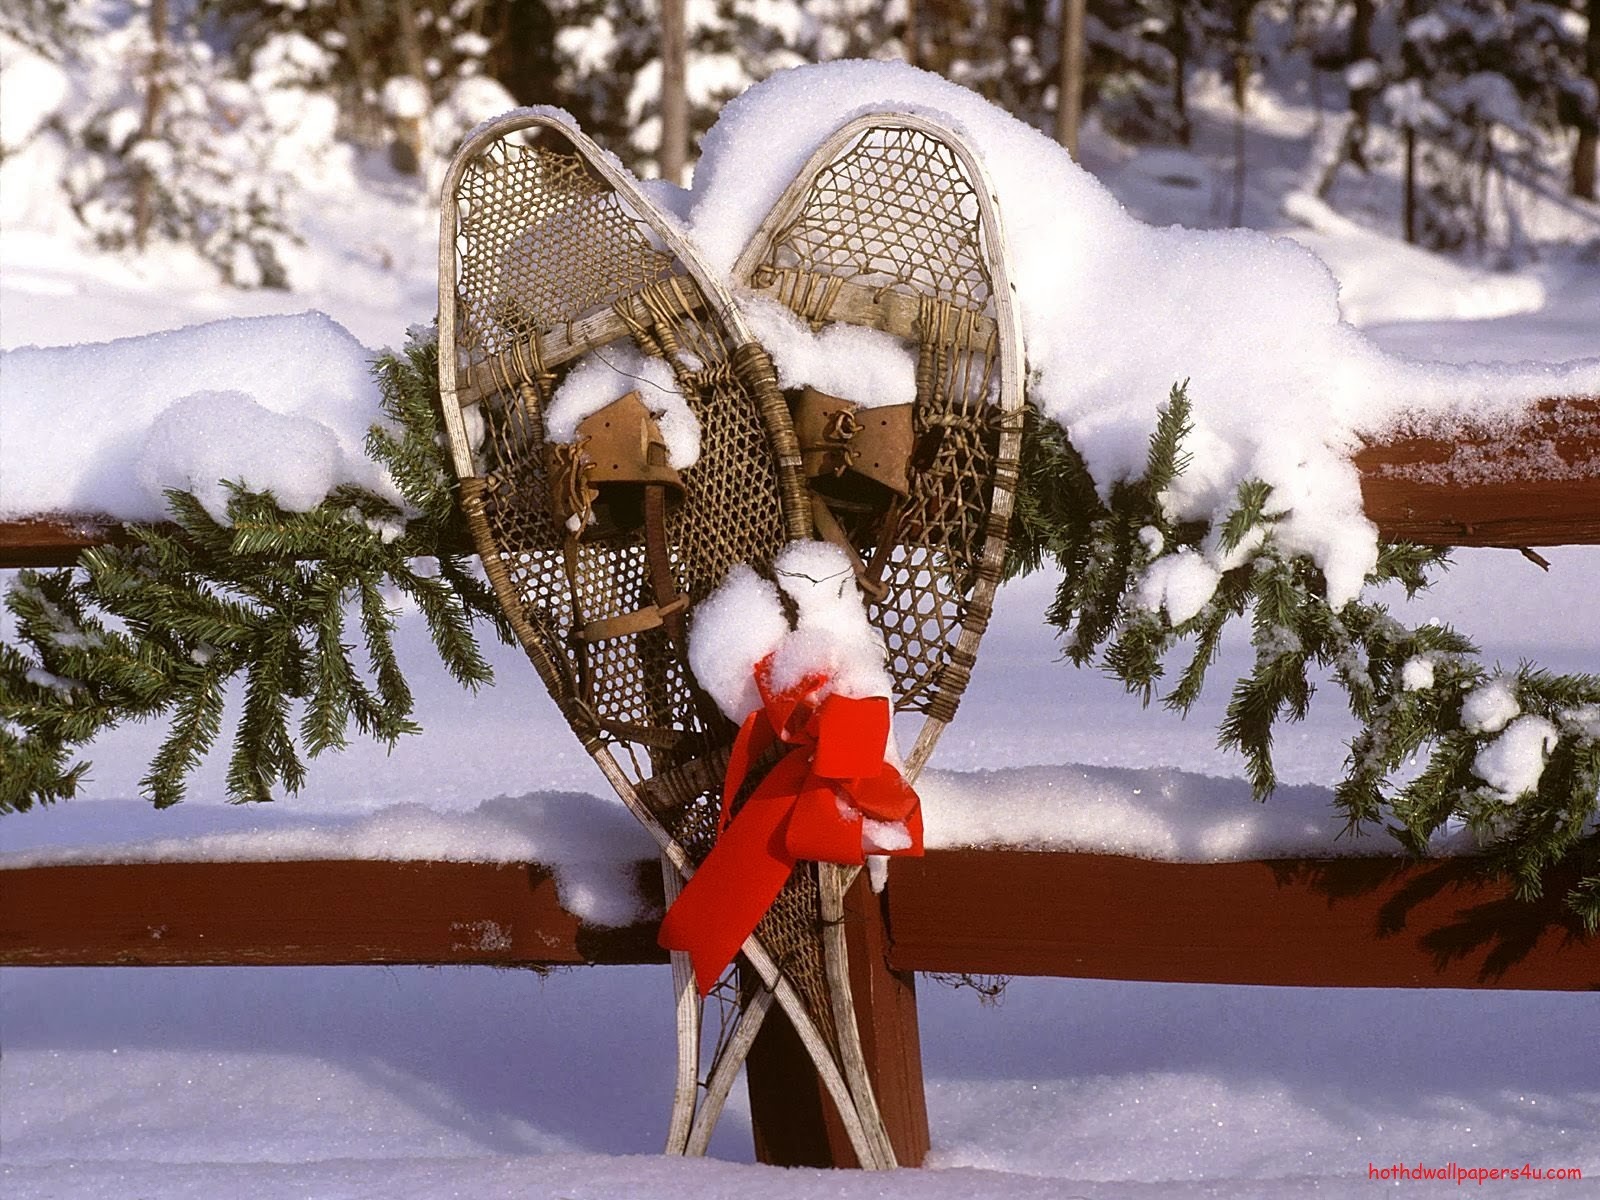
(811, 805)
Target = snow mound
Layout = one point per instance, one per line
(278, 402)
(1116, 312)
(1384, 280)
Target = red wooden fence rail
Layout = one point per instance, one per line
(1345, 922)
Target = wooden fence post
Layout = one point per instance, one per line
(791, 1117)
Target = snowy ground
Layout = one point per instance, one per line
(355, 1082)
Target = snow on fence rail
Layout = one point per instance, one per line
(1533, 483)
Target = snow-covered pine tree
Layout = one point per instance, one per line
(142, 129)
(610, 70)
(1491, 89)
(167, 144)
(411, 77)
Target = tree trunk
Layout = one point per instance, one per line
(1180, 70)
(1410, 206)
(1586, 152)
(370, 117)
(674, 91)
(154, 97)
(1243, 10)
(1360, 97)
(412, 131)
(1069, 88)
(1413, 68)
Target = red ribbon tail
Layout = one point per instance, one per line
(722, 903)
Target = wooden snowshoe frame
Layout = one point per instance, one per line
(893, 224)
(548, 252)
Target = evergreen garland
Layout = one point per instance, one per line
(1409, 687)
(161, 627)
(263, 602)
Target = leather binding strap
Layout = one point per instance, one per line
(855, 459)
(615, 478)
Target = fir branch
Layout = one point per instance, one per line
(1406, 686)
(162, 627)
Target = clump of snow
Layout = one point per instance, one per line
(871, 368)
(732, 630)
(1417, 674)
(1181, 583)
(31, 89)
(1410, 106)
(1514, 761)
(470, 101)
(1430, 27)
(203, 439)
(47, 679)
(1489, 96)
(832, 634)
(743, 622)
(1585, 719)
(283, 402)
(405, 98)
(1116, 312)
(1490, 706)
(603, 377)
(1362, 74)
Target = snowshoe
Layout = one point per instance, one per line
(622, 447)
(879, 284)
(886, 256)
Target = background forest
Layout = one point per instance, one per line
(194, 121)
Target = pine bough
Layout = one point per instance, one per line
(267, 604)
(1421, 694)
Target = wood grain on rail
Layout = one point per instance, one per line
(1350, 922)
